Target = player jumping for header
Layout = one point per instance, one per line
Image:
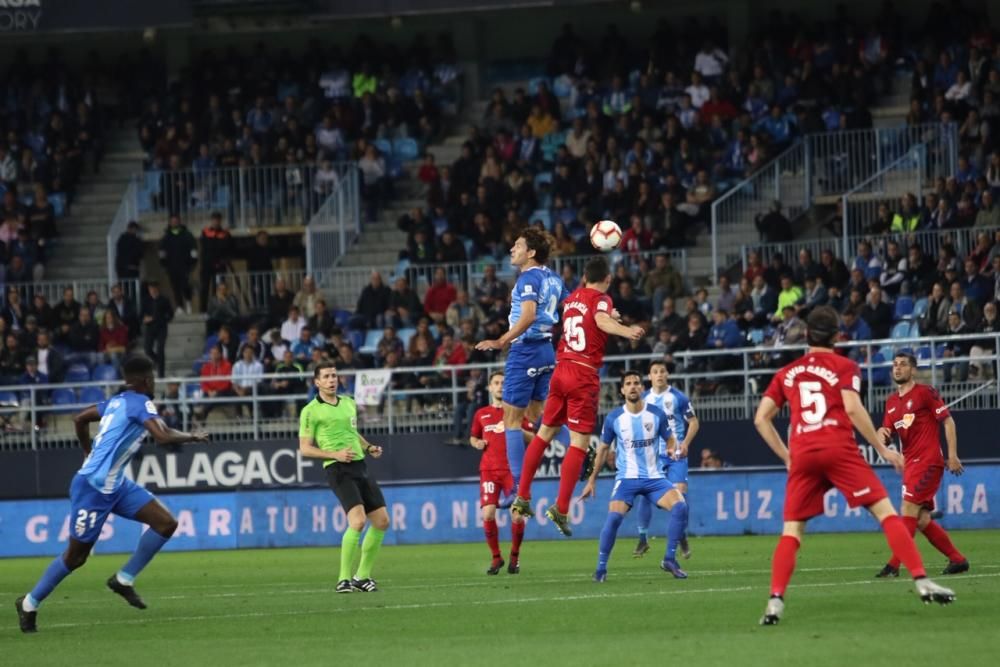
(914, 413)
(821, 389)
(101, 488)
(637, 428)
(534, 310)
(576, 385)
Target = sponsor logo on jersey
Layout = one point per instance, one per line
(891, 410)
(905, 422)
(861, 492)
(493, 428)
(938, 411)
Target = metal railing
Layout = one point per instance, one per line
(931, 241)
(336, 224)
(53, 290)
(826, 165)
(248, 197)
(344, 285)
(127, 211)
(724, 385)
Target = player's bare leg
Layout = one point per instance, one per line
(162, 525)
(782, 567)
(685, 548)
(492, 539)
(917, 517)
(569, 475)
(901, 543)
(532, 459)
(27, 605)
(674, 502)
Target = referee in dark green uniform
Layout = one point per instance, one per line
(328, 429)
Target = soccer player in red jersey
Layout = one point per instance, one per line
(821, 389)
(494, 474)
(588, 319)
(915, 413)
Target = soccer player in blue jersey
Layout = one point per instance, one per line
(684, 425)
(636, 428)
(100, 488)
(534, 310)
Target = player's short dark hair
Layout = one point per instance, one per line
(322, 366)
(540, 241)
(822, 326)
(495, 373)
(137, 365)
(628, 374)
(657, 362)
(908, 356)
(596, 271)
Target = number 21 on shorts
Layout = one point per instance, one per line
(80, 525)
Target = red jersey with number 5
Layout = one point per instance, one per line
(582, 339)
(916, 417)
(811, 386)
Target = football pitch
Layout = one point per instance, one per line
(436, 606)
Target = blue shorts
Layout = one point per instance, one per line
(527, 372)
(89, 508)
(626, 490)
(677, 471)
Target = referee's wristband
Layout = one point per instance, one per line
(368, 449)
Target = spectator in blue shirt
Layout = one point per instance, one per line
(967, 172)
(854, 327)
(259, 119)
(303, 347)
(725, 333)
(778, 127)
(945, 72)
(977, 287)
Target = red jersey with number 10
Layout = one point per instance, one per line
(582, 340)
(916, 417)
(811, 386)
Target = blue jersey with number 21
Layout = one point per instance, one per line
(123, 418)
(543, 286)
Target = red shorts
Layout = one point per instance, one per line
(573, 396)
(491, 483)
(815, 472)
(921, 482)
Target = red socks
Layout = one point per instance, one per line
(517, 534)
(900, 539)
(532, 459)
(490, 528)
(911, 525)
(783, 564)
(571, 466)
(937, 536)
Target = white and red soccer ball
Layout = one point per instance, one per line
(606, 235)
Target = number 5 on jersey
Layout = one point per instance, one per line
(574, 333)
(812, 401)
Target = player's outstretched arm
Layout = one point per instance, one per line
(528, 311)
(763, 421)
(951, 438)
(164, 435)
(81, 421)
(602, 456)
(863, 422)
(607, 324)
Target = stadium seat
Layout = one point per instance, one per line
(341, 317)
(196, 366)
(8, 399)
(58, 201)
(405, 149)
(470, 248)
(543, 178)
(562, 86)
(372, 337)
(356, 338)
(544, 215)
(900, 330)
(881, 375)
(63, 396)
(756, 336)
(91, 395)
(904, 307)
(210, 342)
(440, 226)
(914, 329)
(887, 352)
(77, 373)
(104, 373)
(406, 334)
(535, 82)
(920, 307)
(384, 147)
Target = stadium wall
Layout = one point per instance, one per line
(723, 502)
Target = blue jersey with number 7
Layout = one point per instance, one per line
(543, 286)
(123, 419)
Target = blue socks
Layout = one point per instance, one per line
(149, 544)
(608, 535)
(515, 452)
(54, 573)
(675, 529)
(643, 514)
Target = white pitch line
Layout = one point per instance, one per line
(468, 603)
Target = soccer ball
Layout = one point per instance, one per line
(606, 235)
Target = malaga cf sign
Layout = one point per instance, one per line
(20, 15)
(33, 16)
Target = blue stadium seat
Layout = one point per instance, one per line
(405, 149)
(210, 342)
(914, 329)
(58, 201)
(881, 375)
(543, 177)
(384, 147)
(372, 337)
(756, 336)
(63, 396)
(356, 338)
(395, 167)
(8, 398)
(406, 334)
(440, 226)
(544, 215)
(904, 307)
(91, 395)
(535, 82)
(567, 215)
(470, 248)
(196, 366)
(900, 330)
(920, 307)
(401, 267)
(77, 373)
(562, 86)
(887, 352)
(341, 317)
(192, 390)
(104, 373)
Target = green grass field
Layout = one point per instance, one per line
(437, 607)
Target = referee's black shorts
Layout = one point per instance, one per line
(350, 483)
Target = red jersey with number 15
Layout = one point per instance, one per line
(915, 417)
(811, 386)
(582, 339)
